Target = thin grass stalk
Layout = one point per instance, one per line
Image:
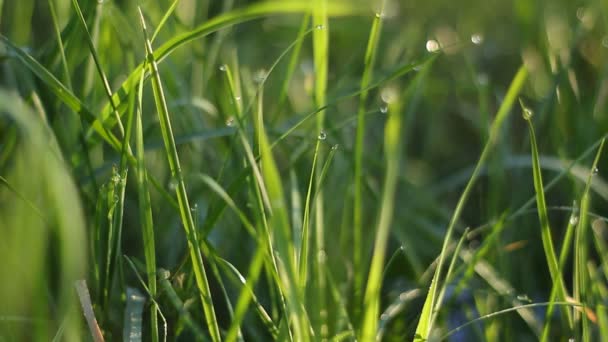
(182, 195)
(145, 211)
(368, 68)
(581, 252)
(543, 217)
(425, 325)
(392, 155)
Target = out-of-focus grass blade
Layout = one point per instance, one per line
(87, 308)
(543, 217)
(182, 196)
(425, 326)
(61, 91)
(164, 20)
(134, 309)
(502, 312)
(581, 252)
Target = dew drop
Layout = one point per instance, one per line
(194, 208)
(319, 27)
(173, 184)
(524, 298)
(230, 121)
(571, 339)
(335, 147)
(379, 15)
(432, 45)
(573, 220)
(322, 135)
(482, 79)
(595, 171)
(477, 38)
(260, 76)
(388, 94)
(384, 109)
(527, 114)
(238, 98)
(223, 67)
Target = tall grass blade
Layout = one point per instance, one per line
(425, 326)
(392, 155)
(182, 196)
(543, 217)
(368, 68)
(581, 253)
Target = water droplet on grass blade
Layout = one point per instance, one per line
(595, 171)
(335, 147)
(173, 184)
(223, 67)
(526, 112)
(230, 121)
(260, 76)
(573, 220)
(477, 38)
(322, 135)
(319, 27)
(432, 45)
(524, 298)
(384, 109)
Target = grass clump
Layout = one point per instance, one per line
(302, 171)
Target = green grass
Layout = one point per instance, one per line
(303, 170)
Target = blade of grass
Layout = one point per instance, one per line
(543, 217)
(305, 235)
(166, 16)
(61, 91)
(505, 311)
(368, 68)
(279, 225)
(425, 326)
(581, 252)
(320, 39)
(145, 210)
(182, 196)
(392, 155)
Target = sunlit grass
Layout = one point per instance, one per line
(302, 171)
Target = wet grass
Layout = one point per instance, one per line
(303, 170)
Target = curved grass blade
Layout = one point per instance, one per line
(61, 91)
(543, 217)
(505, 311)
(425, 325)
(581, 252)
(182, 196)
